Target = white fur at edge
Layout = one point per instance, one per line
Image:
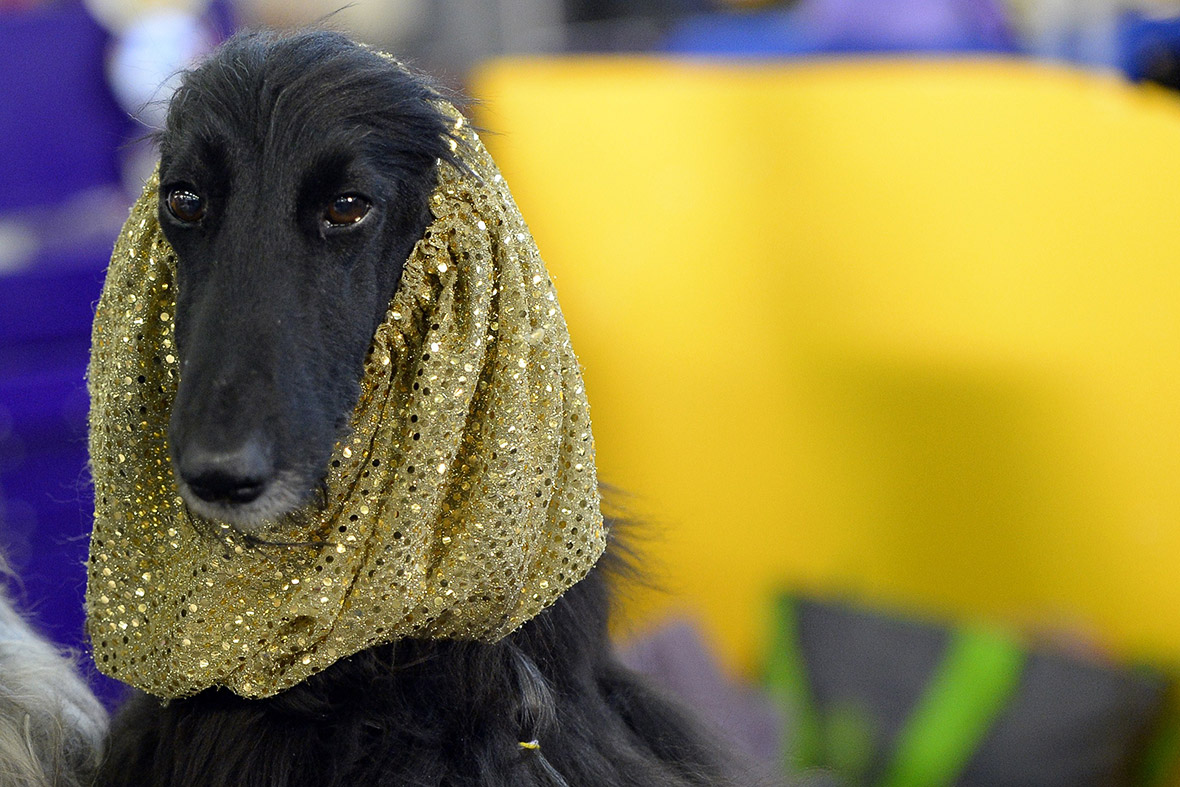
(51, 727)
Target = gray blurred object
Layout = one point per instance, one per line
(1079, 31)
(447, 38)
(443, 37)
(877, 689)
(1071, 723)
(675, 657)
(383, 23)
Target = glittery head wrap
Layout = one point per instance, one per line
(463, 502)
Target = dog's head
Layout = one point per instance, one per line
(294, 182)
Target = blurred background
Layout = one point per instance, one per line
(879, 308)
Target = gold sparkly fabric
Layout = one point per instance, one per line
(463, 503)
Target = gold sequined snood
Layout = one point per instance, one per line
(463, 502)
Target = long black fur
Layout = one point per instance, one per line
(433, 713)
(412, 713)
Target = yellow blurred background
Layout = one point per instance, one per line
(905, 330)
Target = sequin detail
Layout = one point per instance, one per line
(464, 501)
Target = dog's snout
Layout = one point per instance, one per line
(235, 475)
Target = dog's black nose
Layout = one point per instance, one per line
(237, 475)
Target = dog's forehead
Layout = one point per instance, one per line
(333, 108)
(260, 114)
(224, 145)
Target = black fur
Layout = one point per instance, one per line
(427, 714)
(274, 316)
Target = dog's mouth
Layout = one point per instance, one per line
(248, 509)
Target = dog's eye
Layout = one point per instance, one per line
(346, 209)
(185, 205)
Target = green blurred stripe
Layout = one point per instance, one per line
(967, 692)
(1161, 755)
(786, 677)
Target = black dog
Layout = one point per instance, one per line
(294, 172)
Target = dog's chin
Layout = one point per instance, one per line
(284, 495)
